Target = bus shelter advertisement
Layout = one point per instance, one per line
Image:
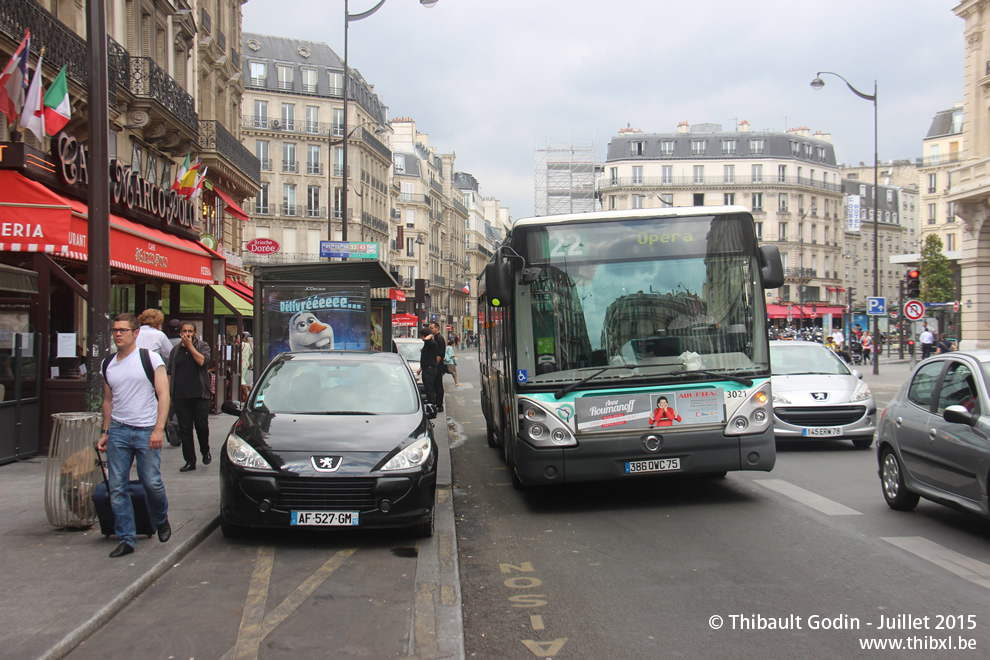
(646, 410)
(301, 317)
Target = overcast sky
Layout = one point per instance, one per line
(492, 79)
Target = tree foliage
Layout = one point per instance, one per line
(936, 273)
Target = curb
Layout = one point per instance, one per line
(107, 612)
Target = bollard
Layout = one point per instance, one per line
(72, 470)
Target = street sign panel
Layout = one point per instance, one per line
(955, 306)
(350, 249)
(914, 310)
(876, 306)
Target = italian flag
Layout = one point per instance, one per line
(58, 111)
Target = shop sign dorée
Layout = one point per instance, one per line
(127, 187)
(262, 246)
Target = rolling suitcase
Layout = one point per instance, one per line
(101, 500)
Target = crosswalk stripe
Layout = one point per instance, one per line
(965, 567)
(806, 497)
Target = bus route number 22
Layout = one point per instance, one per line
(568, 245)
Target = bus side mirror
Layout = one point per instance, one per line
(498, 283)
(771, 270)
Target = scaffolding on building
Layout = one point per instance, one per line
(565, 179)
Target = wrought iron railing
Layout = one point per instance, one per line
(290, 210)
(222, 41)
(264, 209)
(214, 137)
(376, 144)
(266, 164)
(314, 168)
(205, 23)
(314, 212)
(290, 166)
(371, 221)
(235, 59)
(414, 198)
(716, 180)
(800, 272)
(148, 80)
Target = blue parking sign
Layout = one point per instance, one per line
(876, 306)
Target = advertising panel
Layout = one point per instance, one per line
(648, 410)
(316, 317)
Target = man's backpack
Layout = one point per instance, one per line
(145, 362)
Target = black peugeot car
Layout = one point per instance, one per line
(330, 439)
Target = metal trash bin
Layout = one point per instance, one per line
(73, 470)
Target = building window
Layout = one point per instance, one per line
(699, 174)
(757, 201)
(313, 201)
(399, 163)
(950, 212)
(821, 157)
(729, 173)
(782, 174)
(728, 147)
(757, 174)
(638, 201)
(313, 241)
(756, 147)
(309, 78)
(259, 74)
(699, 199)
(667, 174)
(932, 214)
(950, 242)
(338, 122)
(668, 199)
(890, 196)
(312, 119)
(289, 163)
(782, 231)
(697, 147)
(796, 150)
(666, 147)
(410, 246)
(782, 203)
(611, 202)
(289, 116)
(613, 175)
(336, 83)
(637, 174)
(289, 199)
(933, 182)
(313, 159)
(862, 190)
(759, 230)
(261, 114)
(729, 199)
(261, 201)
(261, 151)
(636, 148)
(338, 161)
(814, 206)
(935, 156)
(284, 77)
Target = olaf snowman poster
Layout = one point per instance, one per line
(317, 317)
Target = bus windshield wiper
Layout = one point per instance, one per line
(739, 379)
(561, 393)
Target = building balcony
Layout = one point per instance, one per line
(266, 164)
(150, 82)
(414, 198)
(281, 125)
(714, 181)
(290, 210)
(316, 212)
(801, 273)
(231, 160)
(290, 166)
(280, 258)
(314, 168)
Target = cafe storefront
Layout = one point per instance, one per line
(154, 253)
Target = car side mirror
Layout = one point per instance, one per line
(231, 408)
(959, 415)
(858, 374)
(771, 268)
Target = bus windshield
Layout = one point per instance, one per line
(631, 298)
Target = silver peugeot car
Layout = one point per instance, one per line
(816, 396)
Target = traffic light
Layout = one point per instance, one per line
(913, 284)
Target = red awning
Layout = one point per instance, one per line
(240, 288)
(36, 219)
(405, 320)
(397, 294)
(232, 207)
(803, 311)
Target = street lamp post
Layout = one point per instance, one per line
(817, 84)
(348, 17)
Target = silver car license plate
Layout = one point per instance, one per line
(325, 518)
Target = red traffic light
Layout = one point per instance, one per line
(913, 274)
(910, 342)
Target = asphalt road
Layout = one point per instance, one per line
(645, 568)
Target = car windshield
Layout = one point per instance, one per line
(341, 387)
(410, 349)
(805, 358)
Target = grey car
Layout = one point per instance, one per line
(817, 397)
(933, 440)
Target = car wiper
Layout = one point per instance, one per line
(739, 379)
(561, 393)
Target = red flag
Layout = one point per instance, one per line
(14, 80)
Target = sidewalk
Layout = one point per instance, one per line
(60, 586)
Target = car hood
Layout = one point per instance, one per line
(798, 388)
(278, 432)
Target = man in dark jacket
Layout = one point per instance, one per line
(441, 369)
(189, 369)
(429, 358)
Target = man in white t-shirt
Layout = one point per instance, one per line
(133, 429)
(838, 338)
(927, 340)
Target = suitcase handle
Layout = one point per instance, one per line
(103, 469)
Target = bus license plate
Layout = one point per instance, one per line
(822, 431)
(325, 518)
(655, 465)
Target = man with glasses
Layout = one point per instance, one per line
(133, 429)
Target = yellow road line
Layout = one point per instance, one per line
(249, 635)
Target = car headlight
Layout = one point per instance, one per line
(542, 428)
(780, 399)
(244, 455)
(412, 456)
(862, 393)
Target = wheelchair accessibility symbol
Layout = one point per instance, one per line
(522, 375)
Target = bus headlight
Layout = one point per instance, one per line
(542, 428)
(754, 414)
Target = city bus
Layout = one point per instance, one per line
(619, 344)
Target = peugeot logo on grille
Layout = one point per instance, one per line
(326, 463)
(819, 396)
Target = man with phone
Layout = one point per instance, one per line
(189, 368)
